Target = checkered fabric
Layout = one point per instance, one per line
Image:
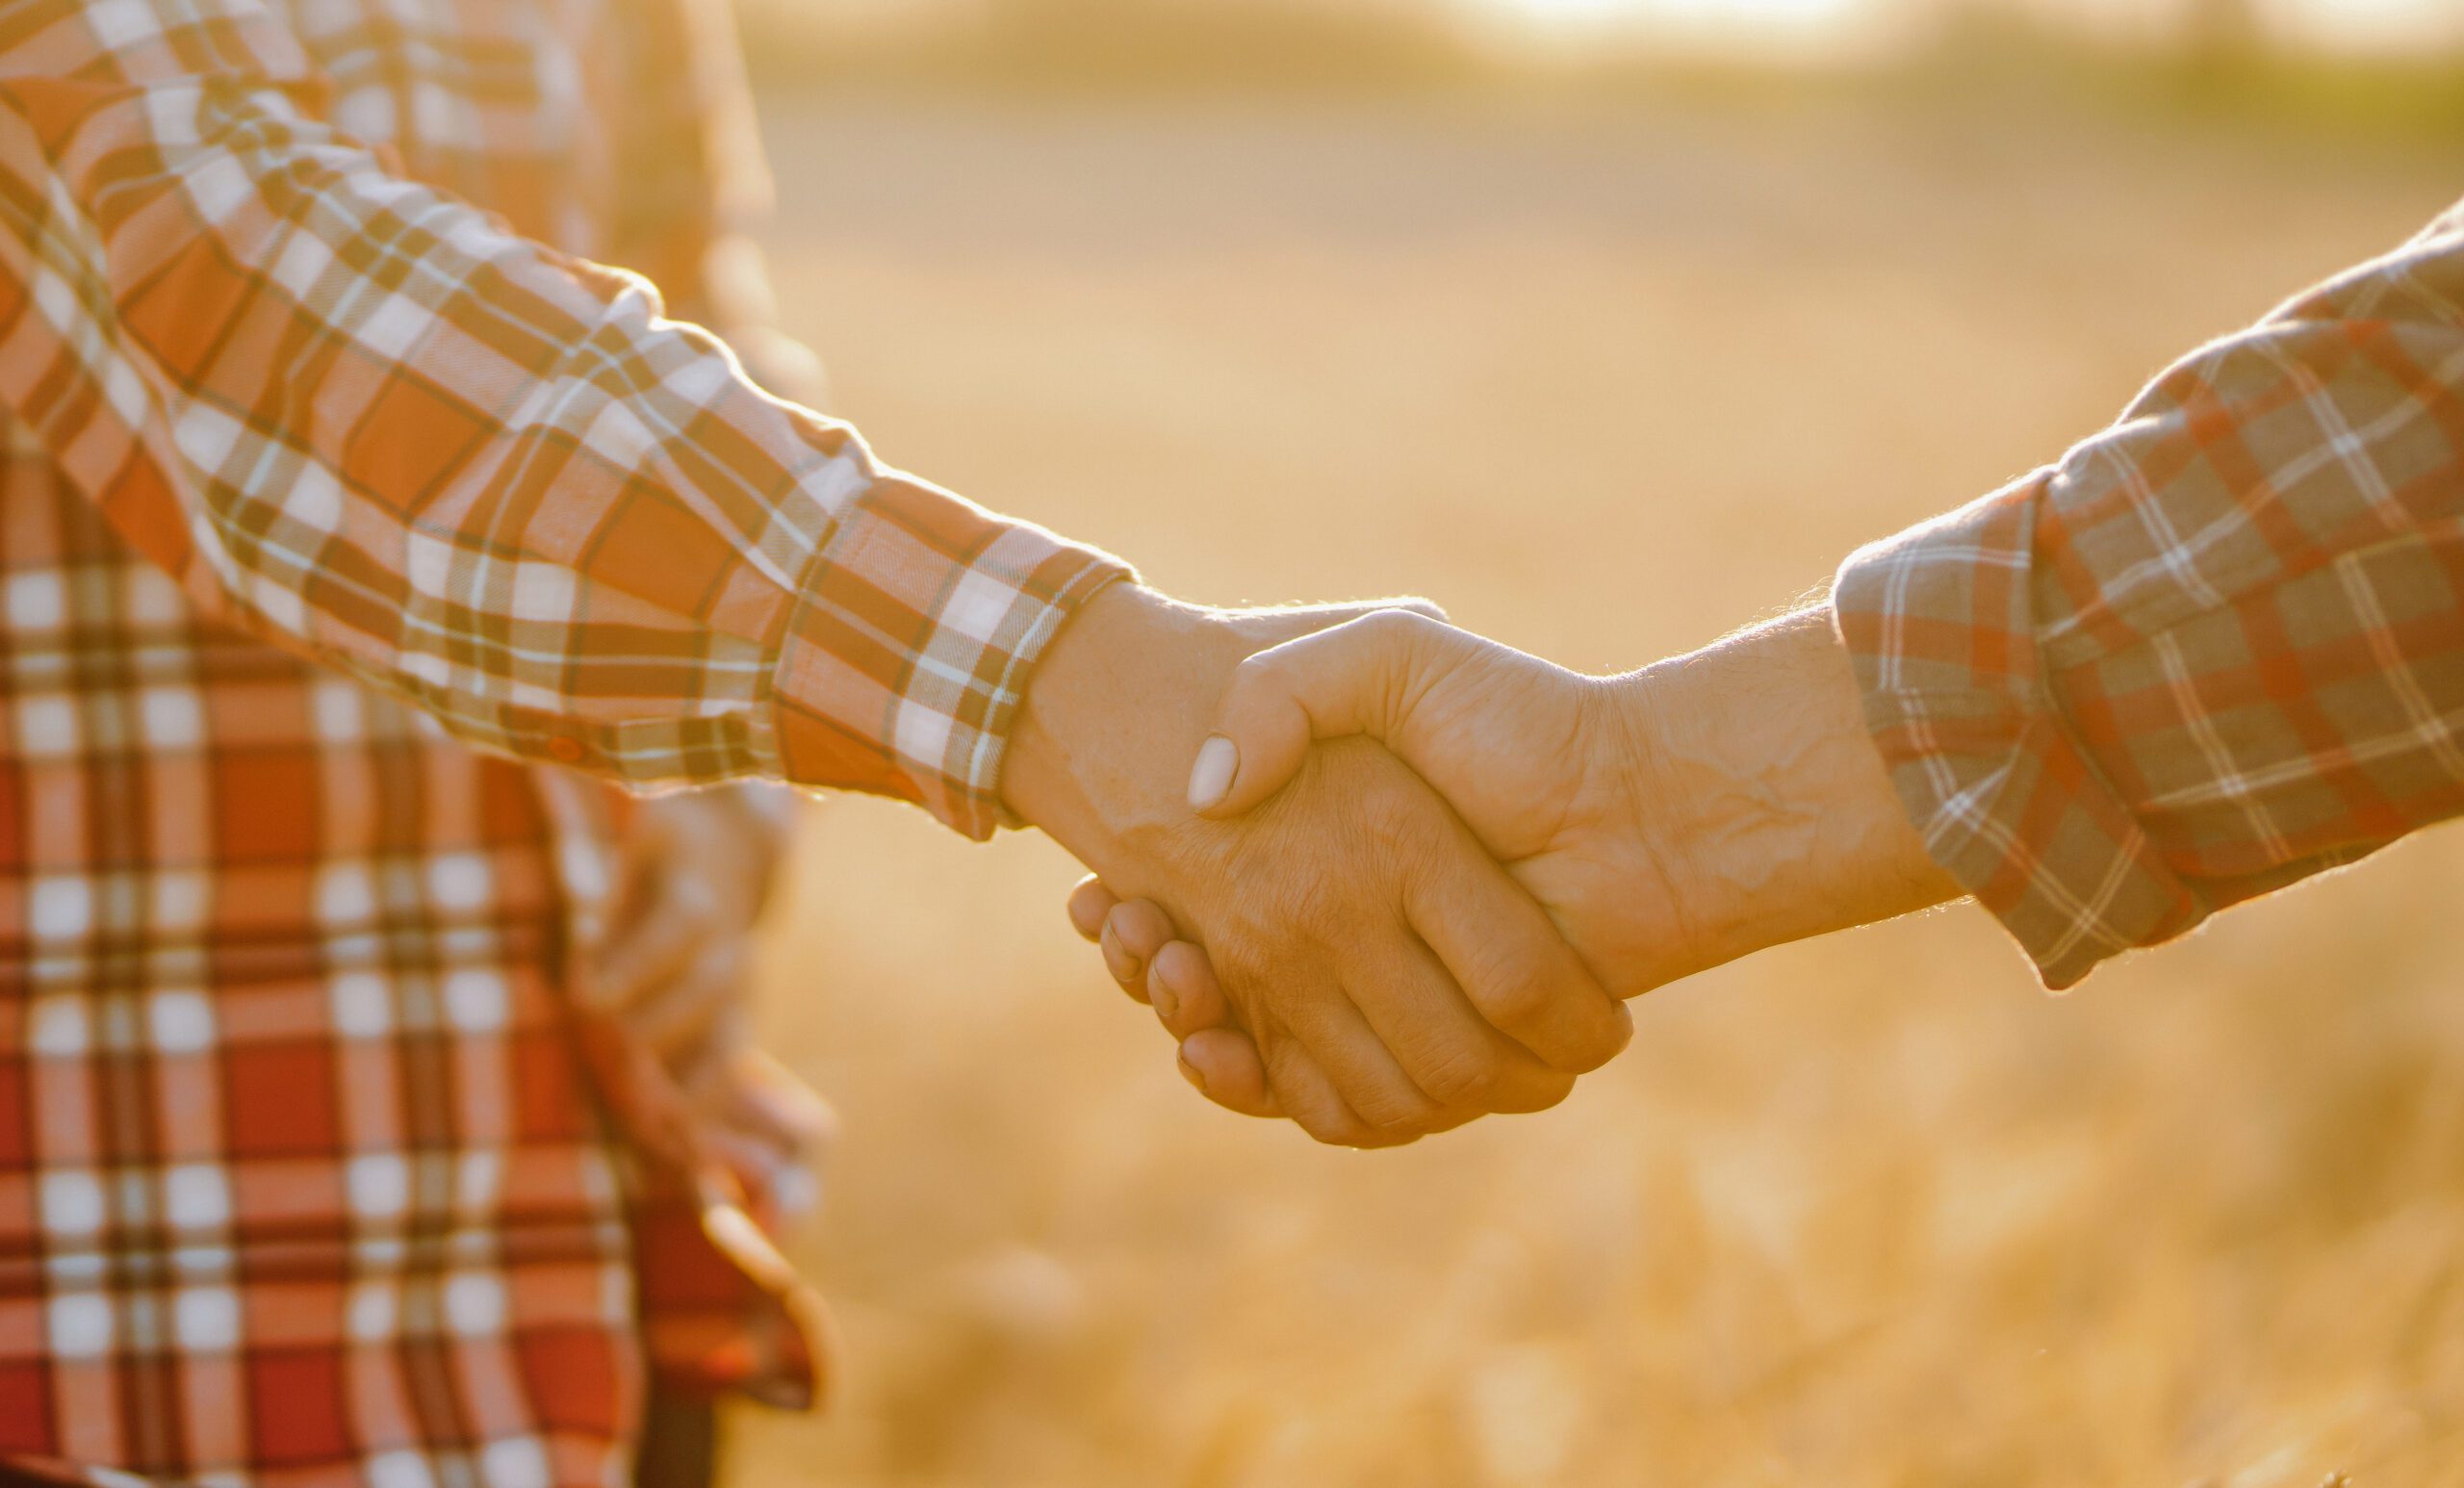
(338, 517)
(2214, 649)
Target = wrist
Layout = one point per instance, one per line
(1117, 707)
(1774, 816)
(1122, 697)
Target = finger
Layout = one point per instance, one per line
(675, 1020)
(1357, 677)
(1297, 620)
(1136, 930)
(1512, 963)
(1456, 1058)
(705, 1069)
(649, 949)
(1181, 984)
(1355, 1061)
(1227, 1069)
(1311, 1097)
(738, 1085)
(1089, 902)
(649, 843)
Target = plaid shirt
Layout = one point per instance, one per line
(341, 522)
(2217, 648)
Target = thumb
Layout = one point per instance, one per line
(1361, 676)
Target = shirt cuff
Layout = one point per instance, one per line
(1940, 625)
(910, 646)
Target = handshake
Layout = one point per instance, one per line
(1381, 876)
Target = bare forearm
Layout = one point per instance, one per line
(1666, 820)
(1777, 817)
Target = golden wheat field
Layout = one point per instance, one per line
(1869, 1211)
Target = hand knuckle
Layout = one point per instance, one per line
(1329, 1131)
(1344, 1129)
(1152, 928)
(1297, 903)
(1391, 626)
(1590, 1054)
(1392, 1110)
(1378, 824)
(1390, 799)
(1538, 1092)
(1463, 1076)
(1324, 1121)
(1262, 670)
(1244, 972)
(1518, 993)
(1586, 1047)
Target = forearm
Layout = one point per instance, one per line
(1773, 815)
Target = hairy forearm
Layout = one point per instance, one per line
(1777, 818)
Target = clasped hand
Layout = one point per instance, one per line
(1389, 977)
(1665, 821)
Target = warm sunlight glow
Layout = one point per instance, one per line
(1740, 12)
(2373, 25)
(2351, 25)
(1685, 14)
(1765, 27)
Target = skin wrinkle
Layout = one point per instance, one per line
(1735, 831)
(1308, 904)
(1639, 756)
(1752, 795)
(1566, 746)
(1669, 819)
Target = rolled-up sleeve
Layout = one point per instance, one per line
(2217, 648)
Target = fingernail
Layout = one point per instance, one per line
(1219, 759)
(1117, 960)
(1189, 1072)
(1165, 1002)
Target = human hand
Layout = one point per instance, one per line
(674, 970)
(1395, 979)
(774, 1132)
(1669, 819)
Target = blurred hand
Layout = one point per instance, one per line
(676, 970)
(1393, 978)
(676, 965)
(1669, 820)
(767, 1125)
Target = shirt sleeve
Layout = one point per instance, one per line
(364, 419)
(2218, 648)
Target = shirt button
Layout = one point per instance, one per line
(567, 751)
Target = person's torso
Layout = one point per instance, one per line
(297, 1161)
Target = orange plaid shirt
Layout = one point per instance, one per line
(348, 508)
(2214, 649)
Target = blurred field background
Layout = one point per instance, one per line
(1609, 350)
